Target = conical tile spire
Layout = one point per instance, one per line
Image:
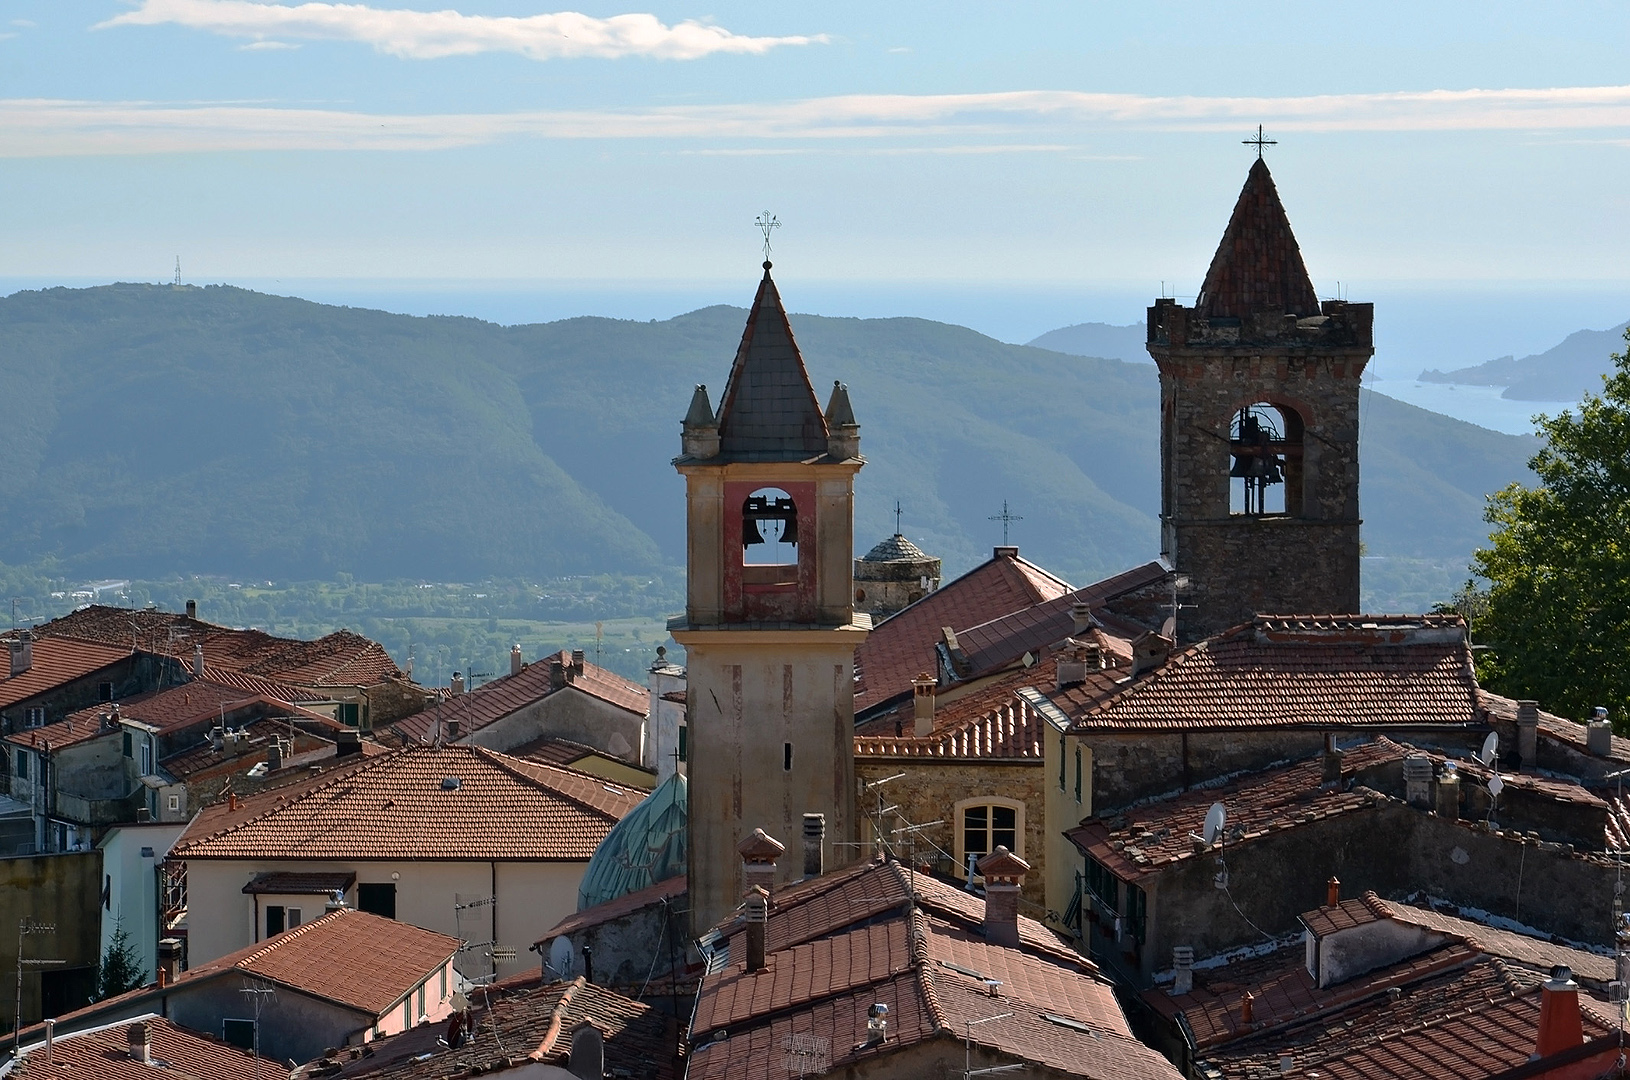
(769, 411)
(1258, 268)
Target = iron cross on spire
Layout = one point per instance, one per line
(1259, 142)
(896, 529)
(1006, 519)
(767, 222)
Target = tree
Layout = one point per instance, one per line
(121, 969)
(1557, 622)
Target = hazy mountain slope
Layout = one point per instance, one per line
(1565, 372)
(154, 429)
(1098, 339)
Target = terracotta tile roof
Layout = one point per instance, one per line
(104, 1054)
(59, 736)
(1004, 640)
(611, 910)
(1150, 837)
(296, 883)
(366, 962)
(256, 684)
(1556, 727)
(989, 722)
(1461, 1022)
(195, 701)
(1278, 671)
(902, 646)
(1359, 911)
(459, 802)
(203, 757)
(1258, 267)
(930, 968)
(533, 1023)
(1535, 953)
(769, 411)
(491, 702)
(56, 661)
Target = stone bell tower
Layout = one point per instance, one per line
(769, 627)
(1259, 389)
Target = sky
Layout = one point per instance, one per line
(923, 158)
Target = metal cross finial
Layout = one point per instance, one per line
(767, 222)
(896, 521)
(1259, 142)
(1006, 519)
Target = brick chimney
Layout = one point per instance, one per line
(1004, 873)
(515, 661)
(141, 1042)
(757, 905)
(169, 960)
(814, 845)
(1528, 733)
(922, 705)
(22, 653)
(1560, 1026)
(577, 662)
(557, 673)
(1332, 892)
(1183, 969)
(758, 855)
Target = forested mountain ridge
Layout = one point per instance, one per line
(153, 429)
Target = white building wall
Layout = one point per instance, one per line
(130, 882)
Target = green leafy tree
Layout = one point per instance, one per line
(1557, 620)
(121, 969)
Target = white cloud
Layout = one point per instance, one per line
(32, 128)
(428, 35)
(26, 23)
(256, 46)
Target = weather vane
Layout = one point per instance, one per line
(1259, 142)
(767, 222)
(1006, 519)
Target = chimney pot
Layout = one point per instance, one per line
(814, 845)
(757, 907)
(515, 661)
(192, 609)
(50, 1039)
(922, 706)
(759, 851)
(22, 653)
(1332, 894)
(1528, 733)
(1182, 970)
(198, 661)
(455, 686)
(1004, 874)
(1246, 1010)
(1081, 617)
(577, 661)
(1560, 1025)
(141, 1042)
(1599, 733)
(169, 960)
(1418, 781)
(557, 673)
(232, 800)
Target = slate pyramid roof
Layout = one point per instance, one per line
(897, 549)
(1258, 268)
(769, 411)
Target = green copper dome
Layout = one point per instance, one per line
(642, 849)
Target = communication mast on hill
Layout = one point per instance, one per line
(177, 281)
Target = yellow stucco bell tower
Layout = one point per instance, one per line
(769, 628)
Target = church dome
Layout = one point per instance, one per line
(897, 549)
(645, 847)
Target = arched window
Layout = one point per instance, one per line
(1265, 461)
(769, 528)
(986, 823)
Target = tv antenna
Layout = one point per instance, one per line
(26, 927)
(257, 992)
(177, 280)
(1259, 142)
(968, 1071)
(1007, 518)
(767, 222)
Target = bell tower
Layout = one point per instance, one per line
(1259, 386)
(769, 628)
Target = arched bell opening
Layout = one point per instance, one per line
(1265, 474)
(769, 533)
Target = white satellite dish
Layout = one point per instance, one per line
(1216, 817)
(1491, 746)
(1496, 785)
(560, 957)
(1168, 629)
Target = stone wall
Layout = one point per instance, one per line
(64, 891)
(1140, 765)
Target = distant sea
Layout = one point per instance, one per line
(1436, 324)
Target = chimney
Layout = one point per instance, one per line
(453, 727)
(1246, 1010)
(515, 661)
(1447, 796)
(1560, 1027)
(814, 845)
(577, 663)
(455, 686)
(274, 755)
(198, 661)
(1332, 892)
(557, 673)
(1418, 781)
(1183, 970)
(1149, 651)
(1004, 873)
(232, 800)
(50, 1039)
(192, 609)
(1332, 759)
(1528, 733)
(22, 653)
(758, 913)
(922, 705)
(1005, 551)
(758, 854)
(588, 964)
(587, 1060)
(1599, 734)
(169, 960)
(141, 1042)
(348, 743)
(1081, 617)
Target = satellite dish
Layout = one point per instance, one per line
(1496, 785)
(1216, 817)
(1491, 746)
(1168, 629)
(560, 957)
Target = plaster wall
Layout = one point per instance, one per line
(565, 714)
(58, 890)
(132, 885)
(1358, 950)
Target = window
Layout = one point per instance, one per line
(146, 757)
(104, 691)
(1265, 455)
(294, 918)
(769, 523)
(276, 919)
(22, 764)
(407, 1013)
(1078, 775)
(377, 898)
(1137, 911)
(1103, 885)
(239, 1033)
(175, 804)
(34, 716)
(1061, 750)
(985, 824)
(684, 742)
(421, 1000)
(348, 713)
(130, 747)
(441, 983)
(786, 757)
